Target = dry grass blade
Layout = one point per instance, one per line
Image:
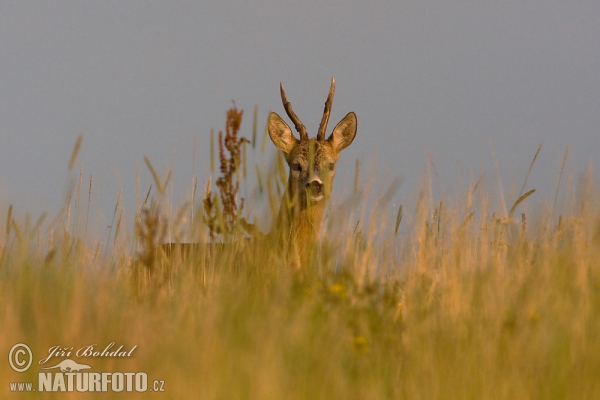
(519, 201)
(439, 212)
(498, 177)
(113, 220)
(157, 181)
(263, 145)
(281, 168)
(398, 220)
(244, 157)
(259, 179)
(167, 179)
(562, 168)
(470, 195)
(389, 193)
(478, 182)
(39, 222)
(530, 168)
(69, 212)
(118, 203)
(87, 218)
(356, 176)
(194, 180)
(254, 126)
(212, 151)
(75, 152)
(8, 221)
(18, 232)
(273, 200)
(118, 229)
(147, 196)
(77, 195)
(467, 220)
(181, 213)
(195, 187)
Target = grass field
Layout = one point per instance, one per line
(465, 303)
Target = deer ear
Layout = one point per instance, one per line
(281, 134)
(344, 132)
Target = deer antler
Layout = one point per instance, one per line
(326, 112)
(297, 123)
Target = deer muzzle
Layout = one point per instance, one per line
(315, 190)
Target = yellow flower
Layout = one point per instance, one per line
(360, 343)
(337, 289)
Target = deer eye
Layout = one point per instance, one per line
(296, 167)
(331, 166)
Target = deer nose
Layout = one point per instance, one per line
(315, 186)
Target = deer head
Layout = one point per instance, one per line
(311, 161)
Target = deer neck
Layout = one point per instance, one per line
(296, 226)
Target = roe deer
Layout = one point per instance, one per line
(312, 168)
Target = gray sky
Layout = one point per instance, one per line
(450, 79)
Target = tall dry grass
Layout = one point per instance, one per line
(453, 300)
